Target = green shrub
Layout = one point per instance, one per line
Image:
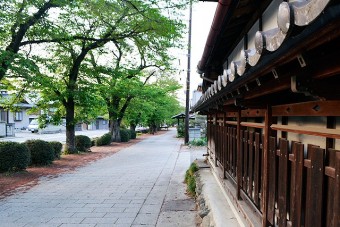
(93, 141)
(180, 130)
(105, 139)
(13, 156)
(125, 135)
(133, 134)
(42, 152)
(190, 179)
(83, 143)
(199, 142)
(57, 148)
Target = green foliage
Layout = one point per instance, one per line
(83, 143)
(13, 156)
(180, 130)
(105, 139)
(57, 148)
(133, 134)
(199, 142)
(42, 152)
(125, 135)
(96, 54)
(190, 179)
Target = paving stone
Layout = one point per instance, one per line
(88, 215)
(125, 189)
(66, 220)
(100, 220)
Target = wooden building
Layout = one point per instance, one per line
(271, 93)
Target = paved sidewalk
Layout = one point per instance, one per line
(125, 189)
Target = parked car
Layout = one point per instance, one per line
(49, 128)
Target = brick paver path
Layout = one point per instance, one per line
(125, 189)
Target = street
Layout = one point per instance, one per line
(141, 185)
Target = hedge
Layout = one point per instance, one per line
(42, 153)
(13, 156)
(83, 143)
(125, 135)
(133, 134)
(105, 139)
(57, 148)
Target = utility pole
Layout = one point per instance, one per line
(186, 127)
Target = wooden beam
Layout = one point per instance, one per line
(253, 125)
(314, 108)
(308, 130)
(253, 113)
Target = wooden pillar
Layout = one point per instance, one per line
(267, 134)
(224, 147)
(215, 139)
(239, 155)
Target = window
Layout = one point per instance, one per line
(18, 116)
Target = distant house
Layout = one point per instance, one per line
(19, 119)
(98, 124)
(196, 95)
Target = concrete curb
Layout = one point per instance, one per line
(215, 208)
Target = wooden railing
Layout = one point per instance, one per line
(303, 180)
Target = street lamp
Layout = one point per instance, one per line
(186, 126)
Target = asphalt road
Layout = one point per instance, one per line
(22, 136)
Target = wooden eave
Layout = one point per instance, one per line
(317, 44)
(242, 14)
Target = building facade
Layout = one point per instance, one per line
(270, 74)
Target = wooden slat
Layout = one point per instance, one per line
(240, 161)
(252, 124)
(314, 188)
(231, 122)
(336, 206)
(251, 163)
(239, 157)
(268, 119)
(331, 156)
(257, 169)
(225, 150)
(245, 162)
(272, 179)
(315, 108)
(229, 150)
(296, 186)
(234, 152)
(314, 131)
(283, 183)
(292, 159)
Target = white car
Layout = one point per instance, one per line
(50, 128)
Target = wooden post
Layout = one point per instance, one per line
(336, 205)
(224, 138)
(267, 133)
(239, 156)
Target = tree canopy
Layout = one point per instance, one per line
(90, 58)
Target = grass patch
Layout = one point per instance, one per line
(190, 179)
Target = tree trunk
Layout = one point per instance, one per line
(116, 131)
(70, 131)
(133, 127)
(111, 120)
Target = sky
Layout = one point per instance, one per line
(202, 16)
